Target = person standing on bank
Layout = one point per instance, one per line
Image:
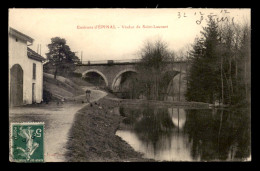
(88, 95)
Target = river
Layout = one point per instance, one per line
(177, 134)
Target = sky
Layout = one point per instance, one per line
(104, 34)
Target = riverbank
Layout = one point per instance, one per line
(141, 102)
(92, 136)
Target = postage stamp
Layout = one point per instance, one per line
(26, 142)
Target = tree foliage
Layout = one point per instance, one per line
(152, 69)
(61, 57)
(220, 65)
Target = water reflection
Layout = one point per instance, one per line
(178, 116)
(224, 135)
(175, 134)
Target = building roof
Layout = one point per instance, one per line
(33, 55)
(20, 35)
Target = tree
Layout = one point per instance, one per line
(194, 75)
(61, 57)
(235, 40)
(220, 65)
(204, 73)
(152, 67)
(243, 60)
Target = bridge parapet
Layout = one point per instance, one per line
(123, 61)
(111, 61)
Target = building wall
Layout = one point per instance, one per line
(18, 55)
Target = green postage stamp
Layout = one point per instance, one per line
(27, 142)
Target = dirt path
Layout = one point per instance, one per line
(58, 121)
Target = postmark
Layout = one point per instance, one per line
(26, 142)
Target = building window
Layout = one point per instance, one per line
(34, 71)
(33, 93)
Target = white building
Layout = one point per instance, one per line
(25, 70)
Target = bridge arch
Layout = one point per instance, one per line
(177, 85)
(119, 74)
(96, 71)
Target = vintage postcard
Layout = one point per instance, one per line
(129, 85)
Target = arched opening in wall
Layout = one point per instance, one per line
(16, 85)
(124, 84)
(177, 87)
(95, 78)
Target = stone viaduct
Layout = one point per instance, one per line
(111, 70)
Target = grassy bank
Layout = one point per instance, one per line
(92, 136)
(63, 87)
